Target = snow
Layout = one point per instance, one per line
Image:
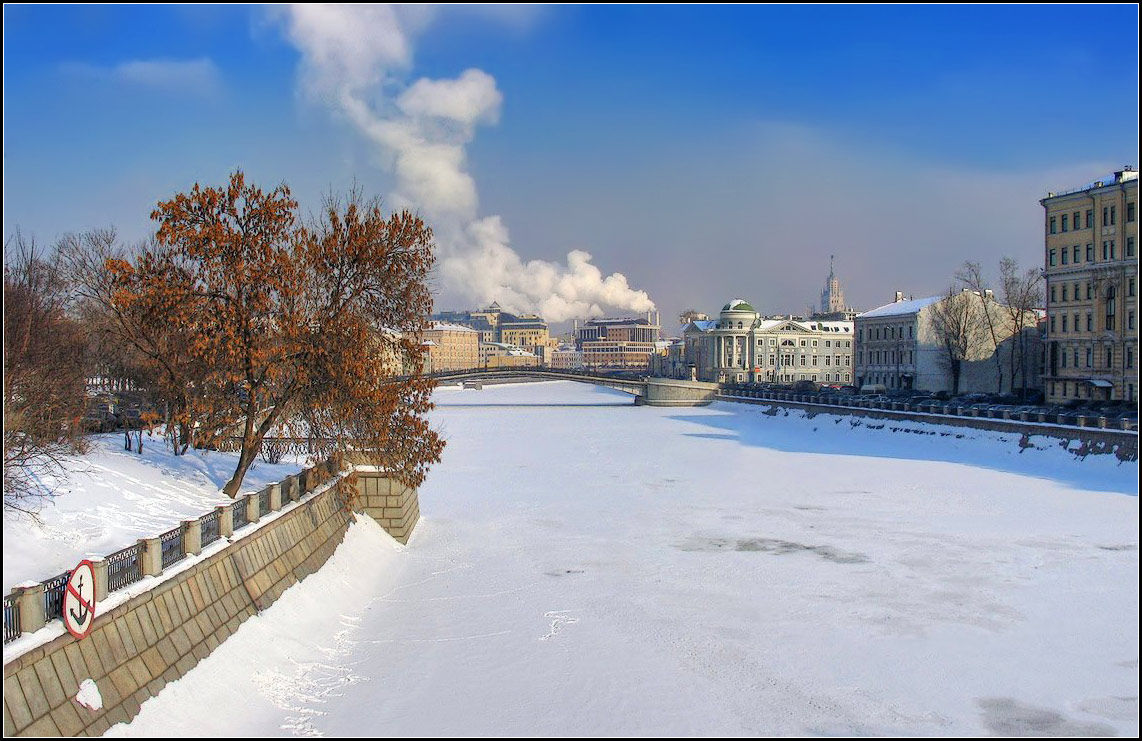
(587, 567)
(88, 695)
(899, 308)
(113, 497)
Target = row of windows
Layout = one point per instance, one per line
(1073, 256)
(1092, 358)
(1074, 326)
(1064, 387)
(886, 357)
(803, 343)
(1062, 289)
(1073, 220)
(884, 333)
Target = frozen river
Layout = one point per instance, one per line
(587, 567)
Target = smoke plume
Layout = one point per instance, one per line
(354, 59)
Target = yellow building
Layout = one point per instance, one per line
(1091, 267)
(452, 347)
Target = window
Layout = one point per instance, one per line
(1112, 257)
(802, 360)
(1076, 357)
(828, 360)
(814, 343)
(1089, 218)
(1089, 322)
(1052, 258)
(1105, 216)
(1076, 293)
(1063, 358)
(1064, 322)
(1089, 294)
(1052, 325)
(1110, 308)
(1064, 290)
(802, 343)
(1065, 221)
(1129, 286)
(828, 343)
(1112, 215)
(1076, 324)
(1089, 353)
(1130, 320)
(1066, 253)
(1105, 250)
(1130, 357)
(1090, 251)
(860, 334)
(1054, 230)
(1053, 295)
(1075, 257)
(1075, 221)
(1130, 246)
(1130, 211)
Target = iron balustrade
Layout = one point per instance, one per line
(171, 543)
(211, 527)
(11, 618)
(124, 567)
(263, 502)
(54, 589)
(238, 508)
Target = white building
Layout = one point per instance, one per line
(744, 346)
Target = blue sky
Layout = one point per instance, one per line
(703, 152)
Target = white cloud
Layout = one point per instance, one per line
(194, 76)
(354, 58)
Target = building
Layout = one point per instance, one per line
(499, 355)
(451, 347)
(742, 346)
(566, 358)
(900, 347)
(1091, 270)
(625, 343)
(528, 331)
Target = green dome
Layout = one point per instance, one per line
(739, 305)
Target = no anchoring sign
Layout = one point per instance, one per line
(79, 600)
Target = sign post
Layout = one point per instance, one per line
(79, 600)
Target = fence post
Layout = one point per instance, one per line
(253, 511)
(151, 562)
(225, 520)
(192, 537)
(30, 603)
(99, 565)
(275, 497)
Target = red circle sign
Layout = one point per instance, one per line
(79, 600)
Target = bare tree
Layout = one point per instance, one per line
(44, 382)
(971, 276)
(1022, 297)
(959, 330)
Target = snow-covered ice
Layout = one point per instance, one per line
(587, 567)
(112, 498)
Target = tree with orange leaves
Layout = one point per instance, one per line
(286, 320)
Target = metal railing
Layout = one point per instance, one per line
(238, 510)
(11, 618)
(124, 567)
(211, 527)
(263, 502)
(171, 543)
(53, 595)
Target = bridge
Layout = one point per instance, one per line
(655, 392)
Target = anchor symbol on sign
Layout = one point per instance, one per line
(80, 618)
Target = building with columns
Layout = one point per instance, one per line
(741, 345)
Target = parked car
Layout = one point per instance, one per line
(801, 387)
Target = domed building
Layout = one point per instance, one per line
(743, 346)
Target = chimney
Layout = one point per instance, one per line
(988, 293)
(899, 297)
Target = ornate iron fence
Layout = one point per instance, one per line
(53, 595)
(172, 546)
(124, 567)
(264, 502)
(11, 618)
(239, 511)
(211, 527)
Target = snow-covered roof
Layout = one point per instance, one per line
(703, 325)
(899, 308)
(448, 326)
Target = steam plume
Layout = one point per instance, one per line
(353, 58)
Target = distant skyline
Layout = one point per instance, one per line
(703, 153)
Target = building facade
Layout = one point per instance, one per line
(899, 347)
(1091, 269)
(451, 347)
(741, 346)
(626, 343)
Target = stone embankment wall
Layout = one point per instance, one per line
(157, 636)
(1092, 440)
